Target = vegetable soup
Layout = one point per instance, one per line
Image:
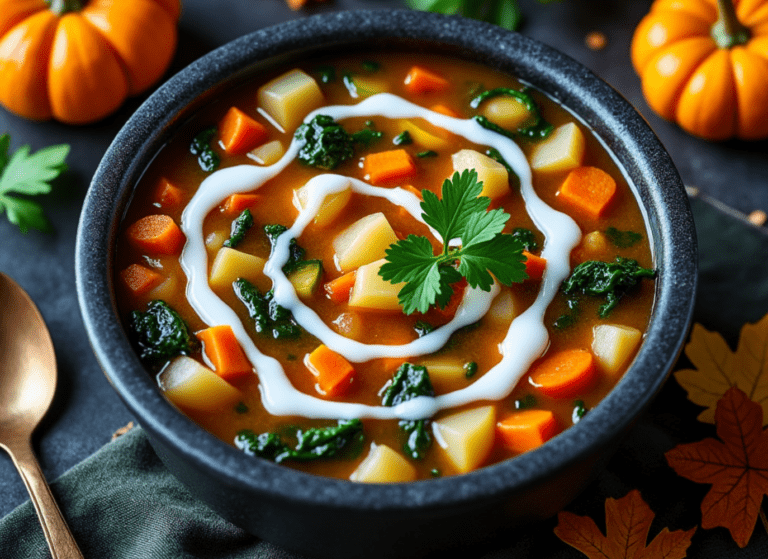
(385, 269)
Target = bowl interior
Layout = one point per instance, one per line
(625, 134)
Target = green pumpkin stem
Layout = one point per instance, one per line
(61, 7)
(728, 31)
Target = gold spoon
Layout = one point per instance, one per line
(27, 384)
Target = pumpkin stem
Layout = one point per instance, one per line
(728, 31)
(61, 7)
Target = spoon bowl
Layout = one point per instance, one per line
(27, 385)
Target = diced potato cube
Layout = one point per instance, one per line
(268, 153)
(384, 465)
(507, 112)
(425, 134)
(215, 240)
(371, 291)
(349, 324)
(363, 242)
(191, 385)
(289, 98)
(166, 290)
(502, 309)
(466, 437)
(329, 210)
(562, 151)
(231, 264)
(613, 344)
(446, 372)
(492, 173)
(369, 85)
(594, 242)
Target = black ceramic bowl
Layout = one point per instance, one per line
(336, 518)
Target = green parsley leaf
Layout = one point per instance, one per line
(28, 175)
(484, 251)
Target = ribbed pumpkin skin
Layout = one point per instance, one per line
(711, 92)
(80, 66)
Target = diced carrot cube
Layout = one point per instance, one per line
(420, 81)
(156, 234)
(588, 189)
(236, 203)
(224, 352)
(525, 430)
(333, 372)
(389, 166)
(139, 279)
(167, 195)
(239, 133)
(564, 374)
(534, 266)
(338, 289)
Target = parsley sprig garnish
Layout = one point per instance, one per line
(28, 175)
(462, 214)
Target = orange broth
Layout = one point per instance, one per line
(477, 343)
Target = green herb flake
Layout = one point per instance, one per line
(623, 239)
(201, 147)
(485, 253)
(367, 137)
(427, 153)
(579, 411)
(470, 369)
(327, 74)
(241, 408)
(23, 175)
(423, 328)
(403, 139)
(434, 472)
(371, 66)
(526, 238)
(526, 402)
(240, 227)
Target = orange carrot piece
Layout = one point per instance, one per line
(333, 372)
(436, 314)
(167, 195)
(240, 133)
(420, 81)
(236, 203)
(139, 279)
(296, 4)
(338, 289)
(564, 374)
(534, 266)
(224, 352)
(388, 166)
(444, 110)
(588, 189)
(525, 430)
(156, 234)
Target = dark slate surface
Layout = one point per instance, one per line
(86, 410)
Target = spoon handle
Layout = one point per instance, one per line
(57, 534)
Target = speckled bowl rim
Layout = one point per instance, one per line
(611, 117)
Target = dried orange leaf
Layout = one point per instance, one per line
(736, 466)
(717, 368)
(627, 522)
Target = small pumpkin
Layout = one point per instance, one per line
(704, 65)
(76, 61)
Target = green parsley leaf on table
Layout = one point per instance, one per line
(460, 214)
(28, 175)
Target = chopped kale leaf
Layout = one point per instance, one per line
(240, 227)
(608, 279)
(623, 239)
(268, 317)
(160, 333)
(411, 381)
(201, 147)
(326, 143)
(295, 252)
(319, 442)
(366, 136)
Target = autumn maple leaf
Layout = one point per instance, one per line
(627, 521)
(717, 368)
(736, 466)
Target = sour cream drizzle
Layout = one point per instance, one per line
(526, 339)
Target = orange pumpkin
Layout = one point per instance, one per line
(77, 60)
(704, 65)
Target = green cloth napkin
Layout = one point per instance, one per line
(122, 503)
